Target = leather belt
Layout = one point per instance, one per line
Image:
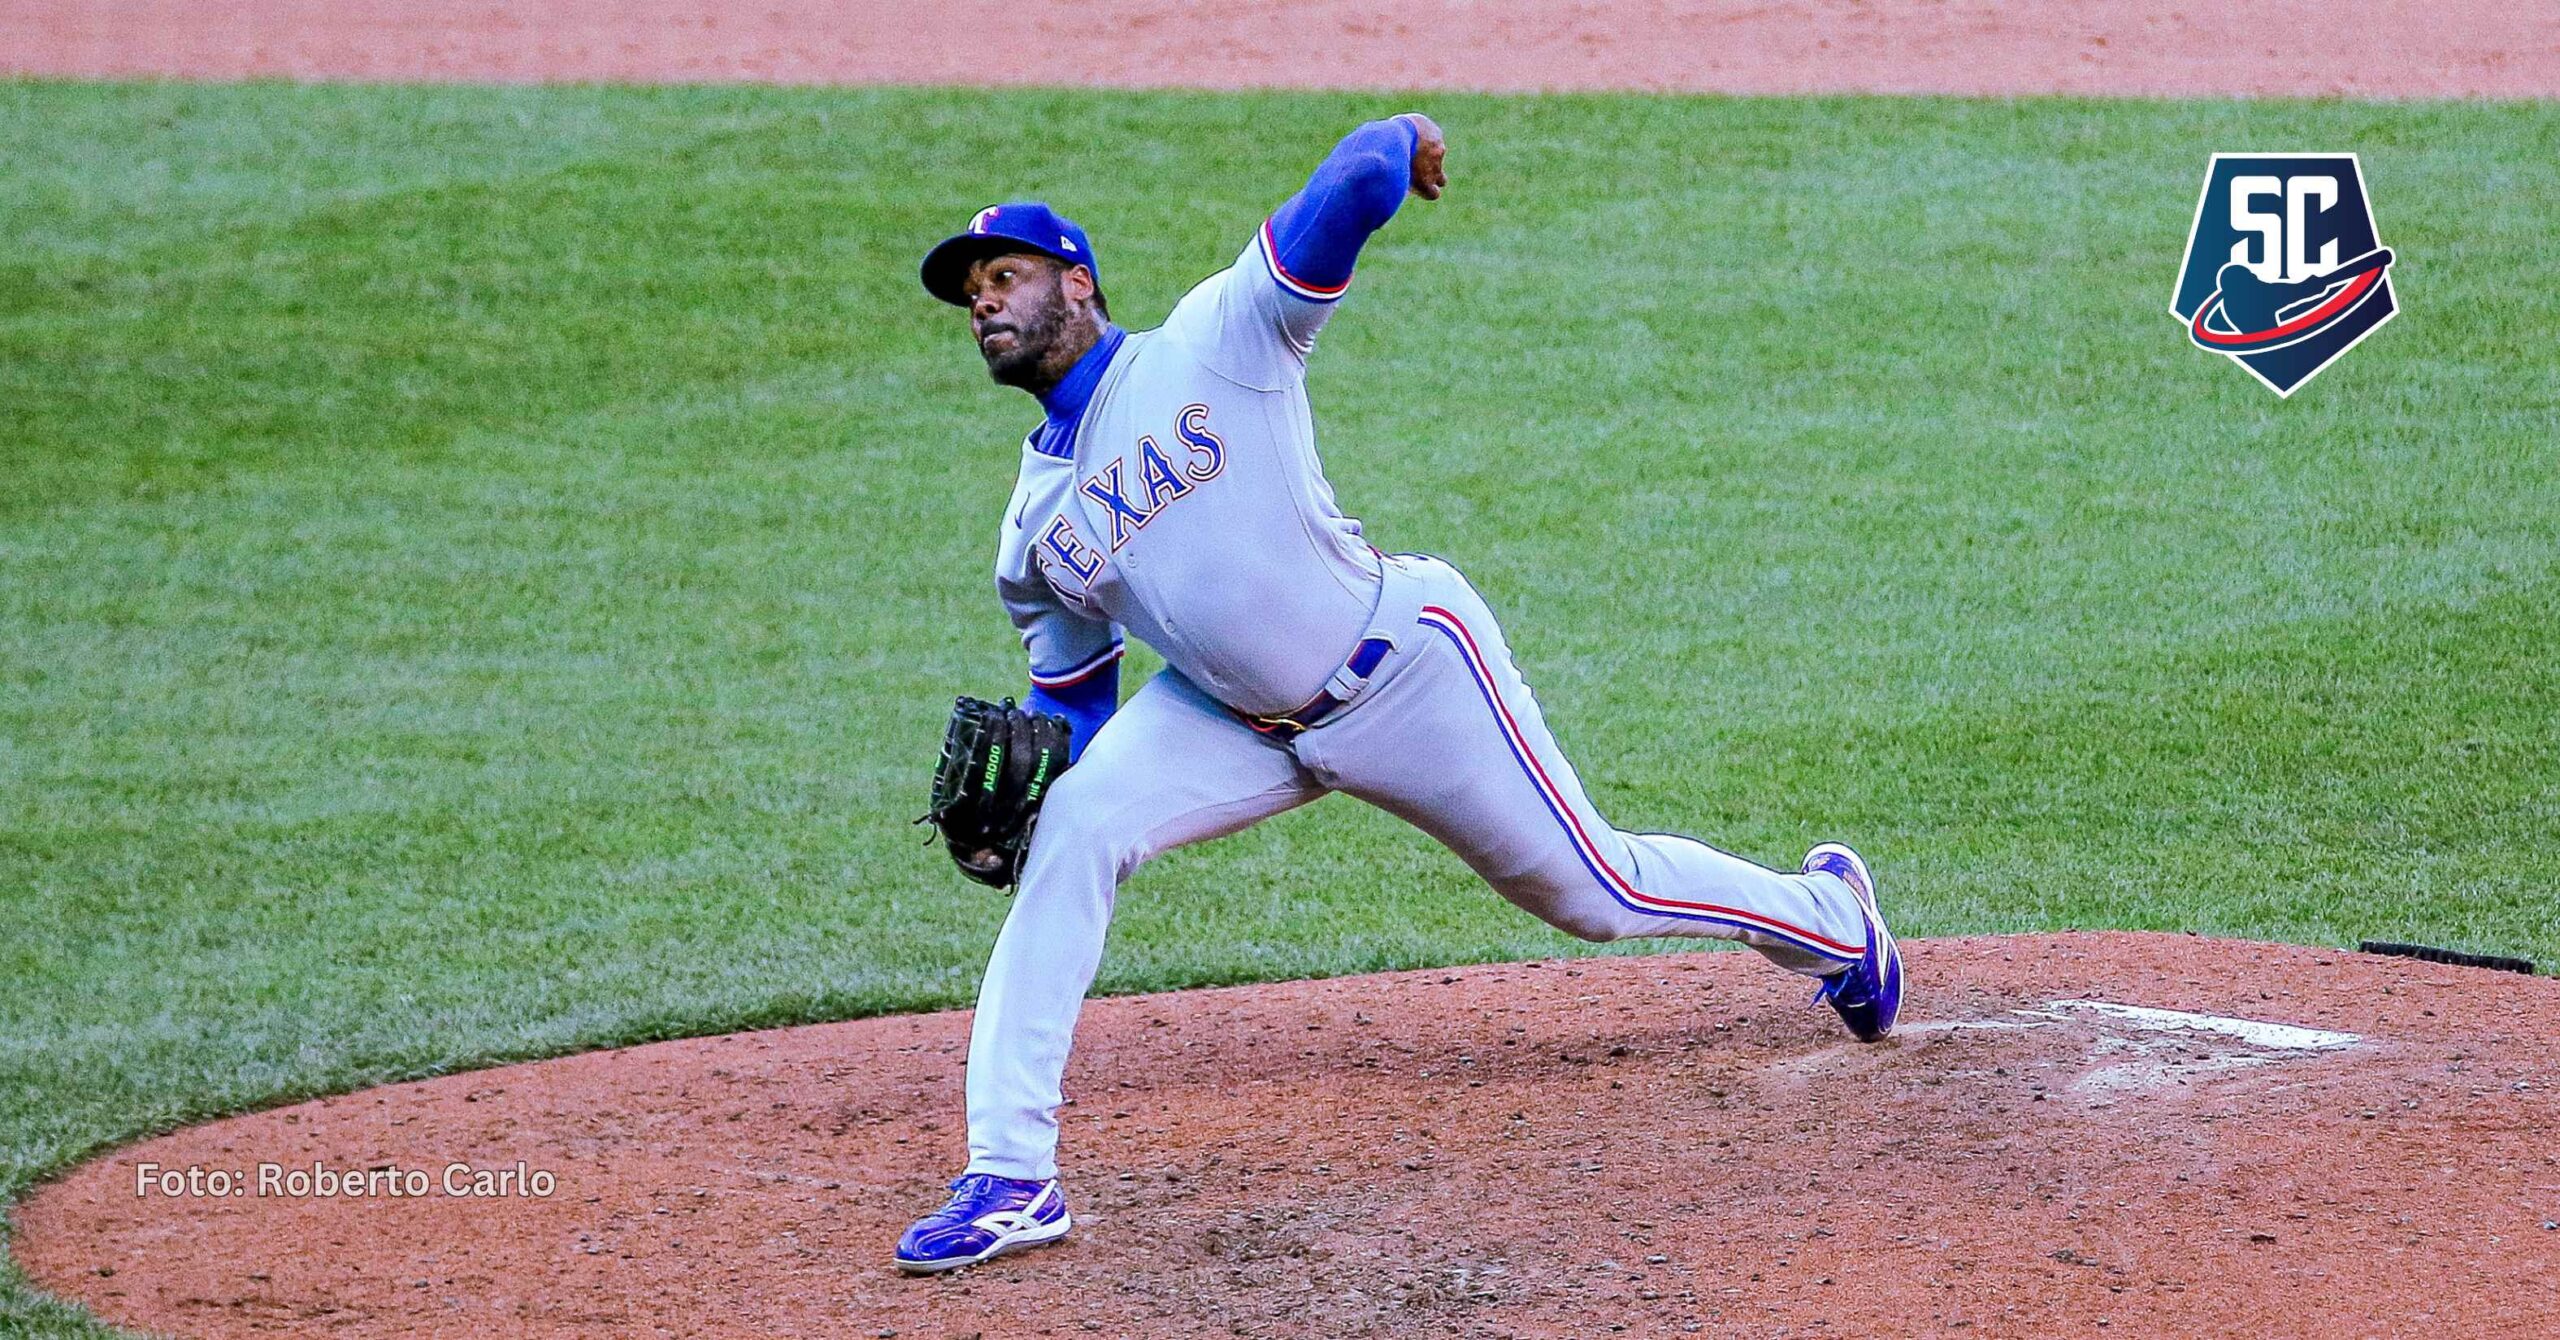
(1342, 688)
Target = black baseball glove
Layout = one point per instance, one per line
(998, 763)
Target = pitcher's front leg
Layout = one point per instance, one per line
(1171, 768)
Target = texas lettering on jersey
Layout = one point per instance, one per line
(1162, 481)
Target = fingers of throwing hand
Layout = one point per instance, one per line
(1430, 157)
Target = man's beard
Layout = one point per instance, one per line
(1034, 334)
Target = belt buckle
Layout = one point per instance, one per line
(1286, 728)
(1344, 686)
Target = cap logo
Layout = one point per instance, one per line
(1066, 242)
(985, 216)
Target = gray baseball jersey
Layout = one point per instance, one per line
(1192, 510)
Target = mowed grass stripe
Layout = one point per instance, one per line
(482, 570)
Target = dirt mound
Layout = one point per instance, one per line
(2323, 1144)
(2381, 48)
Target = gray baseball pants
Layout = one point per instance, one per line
(1443, 734)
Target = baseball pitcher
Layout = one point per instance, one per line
(1172, 491)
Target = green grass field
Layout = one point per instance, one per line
(482, 572)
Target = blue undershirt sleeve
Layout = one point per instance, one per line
(1086, 704)
(1316, 236)
(1255, 322)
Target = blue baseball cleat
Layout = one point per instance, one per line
(986, 1217)
(1867, 993)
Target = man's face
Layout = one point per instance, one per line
(1018, 305)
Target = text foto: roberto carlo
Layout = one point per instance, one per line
(319, 1181)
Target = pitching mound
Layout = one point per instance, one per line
(2165, 1135)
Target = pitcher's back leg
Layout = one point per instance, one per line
(1454, 743)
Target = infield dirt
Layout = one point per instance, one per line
(1544, 1149)
(2170, 48)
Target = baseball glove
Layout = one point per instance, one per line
(998, 763)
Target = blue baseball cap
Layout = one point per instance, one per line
(1015, 226)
